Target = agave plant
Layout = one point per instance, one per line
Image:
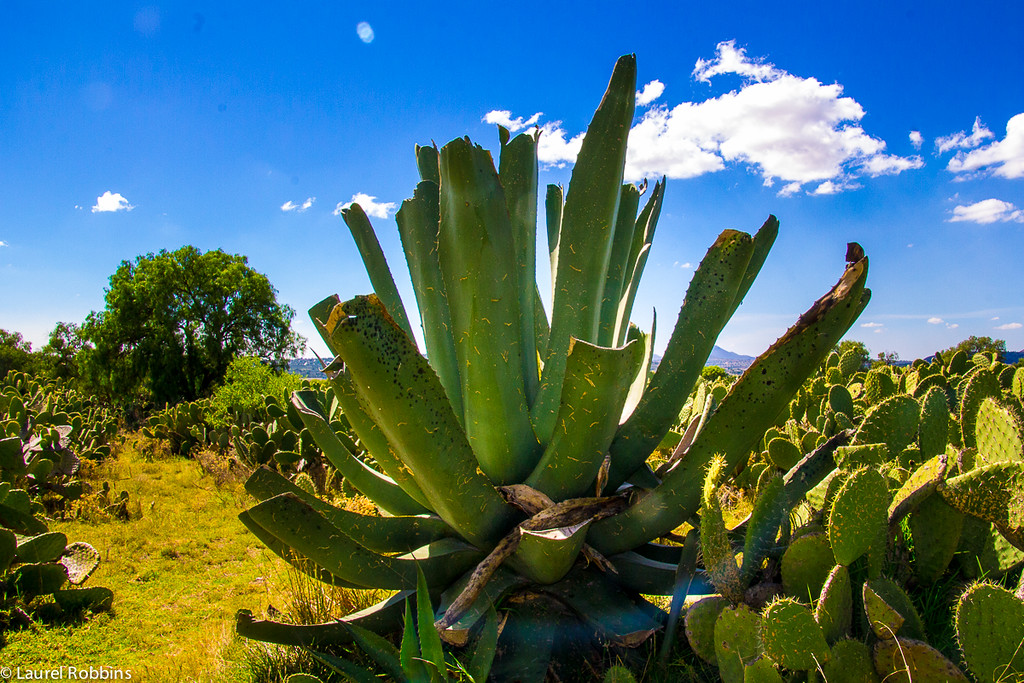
(510, 459)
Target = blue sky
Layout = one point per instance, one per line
(126, 128)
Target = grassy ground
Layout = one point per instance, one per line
(179, 568)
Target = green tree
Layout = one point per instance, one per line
(59, 358)
(15, 353)
(174, 321)
(973, 345)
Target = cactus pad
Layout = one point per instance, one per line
(906, 660)
(935, 528)
(992, 493)
(893, 422)
(979, 386)
(919, 486)
(840, 400)
(783, 453)
(834, 611)
(933, 433)
(890, 610)
(736, 641)
(791, 637)
(851, 458)
(858, 512)
(990, 630)
(997, 433)
(878, 386)
(699, 623)
(850, 663)
(806, 565)
(79, 561)
(761, 670)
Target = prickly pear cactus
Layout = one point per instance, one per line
(699, 623)
(834, 609)
(850, 663)
(737, 643)
(859, 512)
(990, 630)
(791, 637)
(997, 433)
(806, 565)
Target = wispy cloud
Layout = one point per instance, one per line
(1003, 158)
(935, 321)
(916, 139)
(1010, 326)
(787, 128)
(649, 93)
(987, 211)
(961, 140)
(4, 244)
(369, 205)
(110, 202)
(298, 208)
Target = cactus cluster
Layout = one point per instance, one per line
(929, 480)
(39, 568)
(513, 459)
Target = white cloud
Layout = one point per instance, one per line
(1004, 158)
(987, 211)
(369, 205)
(916, 139)
(787, 128)
(953, 326)
(650, 92)
(111, 201)
(503, 117)
(364, 31)
(684, 266)
(872, 325)
(961, 140)
(554, 149)
(298, 208)
(730, 59)
(1009, 326)
(935, 321)
(4, 244)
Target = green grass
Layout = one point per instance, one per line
(179, 568)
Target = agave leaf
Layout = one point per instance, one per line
(487, 316)
(554, 202)
(409, 652)
(376, 265)
(546, 555)
(383, 616)
(518, 172)
(585, 237)
(430, 642)
(702, 316)
(625, 225)
(427, 163)
(596, 384)
(382, 652)
(306, 531)
(351, 671)
(418, 220)
(752, 405)
(286, 553)
(643, 236)
(484, 649)
(399, 534)
(379, 488)
(405, 397)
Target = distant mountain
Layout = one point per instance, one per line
(718, 353)
(733, 363)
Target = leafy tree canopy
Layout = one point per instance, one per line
(973, 345)
(174, 321)
(15, 353)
